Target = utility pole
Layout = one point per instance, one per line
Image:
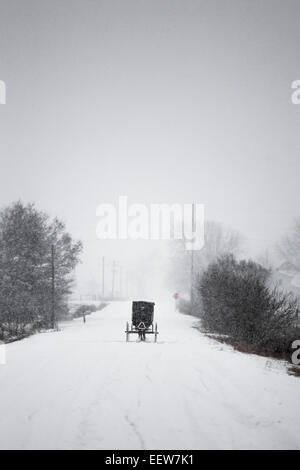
(103, 277)
(52, 288)
(192, 258)
(113, 279)
(121, 275)
(126, 284)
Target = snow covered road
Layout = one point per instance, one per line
(85, 388)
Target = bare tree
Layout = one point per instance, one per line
(267, 260)
(289, 247)
(218, 241)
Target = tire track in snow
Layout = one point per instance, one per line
(136, 432)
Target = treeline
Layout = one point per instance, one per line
(37, 259)
(239, 300)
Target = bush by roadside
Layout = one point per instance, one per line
(79, 311)
(236, 301)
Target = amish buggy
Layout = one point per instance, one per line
(142, 321)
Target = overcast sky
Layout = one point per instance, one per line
(161, 100)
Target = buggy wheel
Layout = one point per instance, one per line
(127, 332)
(155, 333)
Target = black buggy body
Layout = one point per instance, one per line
(142, 321)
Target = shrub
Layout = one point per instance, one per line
(87, 309)
(237, 301)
